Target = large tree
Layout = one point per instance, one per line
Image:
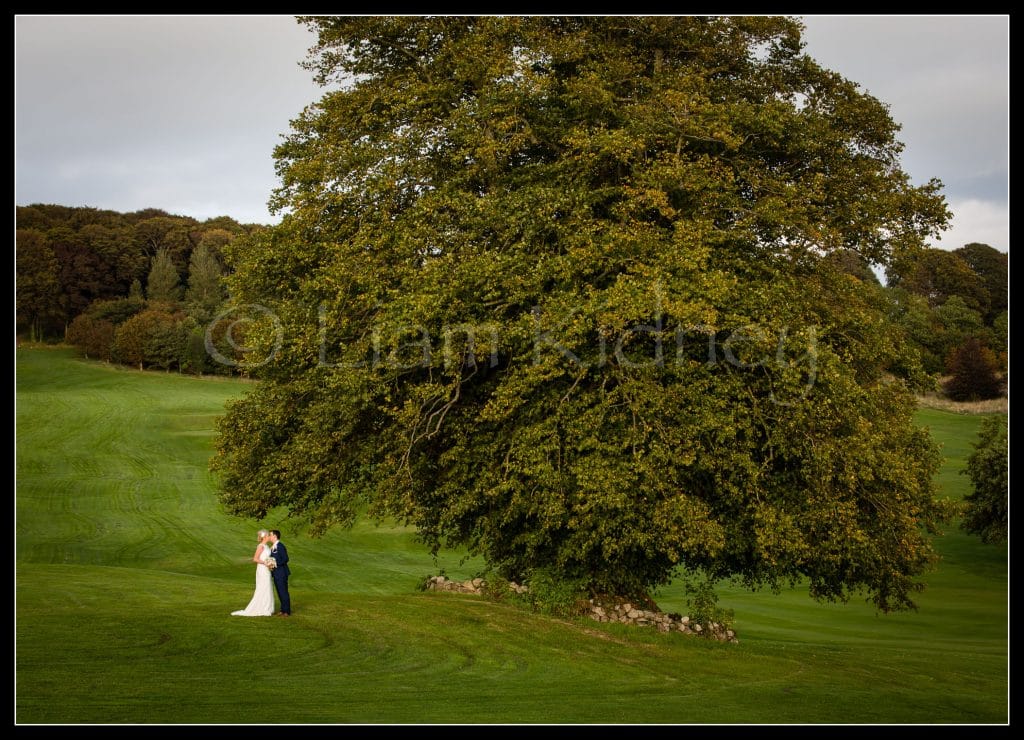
(938, 275)
(172, 234)
(116, 246)
(554, 290)
(993, 268)
(84, 274)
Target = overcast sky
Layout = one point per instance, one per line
(182, 112)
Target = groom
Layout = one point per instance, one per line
(281, 572)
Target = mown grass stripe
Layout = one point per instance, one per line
(127, 571)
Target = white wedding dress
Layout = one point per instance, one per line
(262, 603)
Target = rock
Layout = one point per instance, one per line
(685, 620)
(697, 628)
(632, 614)
(730, 634)
(478, 582)
(627, 607)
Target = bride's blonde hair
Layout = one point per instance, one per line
(261, 534)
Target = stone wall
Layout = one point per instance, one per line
(605, 610)
(441, 583)
(473, 586)
(608, 610)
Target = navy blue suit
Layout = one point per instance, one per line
(280, 574)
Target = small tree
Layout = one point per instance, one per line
(205, 292)
(93, 337)
(167, 344)
(133, 339)
(162, 285)
(196, 358)
(988, 506)
(973, 367)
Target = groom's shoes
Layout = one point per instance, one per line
(283, 614)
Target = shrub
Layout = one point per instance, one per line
(703, 605)
(94, 338)
(554, 594)
(137, 338)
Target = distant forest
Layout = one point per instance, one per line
(127, 287)
(142, 288)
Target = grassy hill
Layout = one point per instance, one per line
(127, 572)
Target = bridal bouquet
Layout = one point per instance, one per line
(271, 563)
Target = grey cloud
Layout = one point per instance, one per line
(183, 112)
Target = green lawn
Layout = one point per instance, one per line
(127, 572)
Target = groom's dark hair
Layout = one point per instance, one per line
(276, 533)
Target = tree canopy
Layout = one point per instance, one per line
(993, 269)
(558, 291)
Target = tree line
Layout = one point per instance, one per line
(85, 274)
(137, 288)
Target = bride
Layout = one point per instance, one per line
(262, 603)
